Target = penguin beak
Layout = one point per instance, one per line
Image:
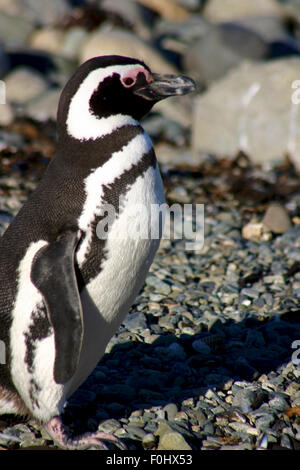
(163, 86)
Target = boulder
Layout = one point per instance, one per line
(227, 10)
(121, 42)
(254, 109)
(223, 47)
(24, 84)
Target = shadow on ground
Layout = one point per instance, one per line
(136, 375)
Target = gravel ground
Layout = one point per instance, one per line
(204, 358)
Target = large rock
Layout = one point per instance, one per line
(48, 39)
(173, 441)
(291, 8)
(251, 109)
(223, 47)
(269, 28)
(6, 114)
(123, 43)
(14, 30)
(227, 10)
(168, 9)
(24, 84)
(45, 106)
(137, 15)
(40, 12)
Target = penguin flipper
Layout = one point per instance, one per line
(53, 274)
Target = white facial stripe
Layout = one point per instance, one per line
(118, 163)
(81, 123)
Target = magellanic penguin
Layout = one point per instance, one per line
(64, 290)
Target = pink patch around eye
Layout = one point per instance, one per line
(130, 78)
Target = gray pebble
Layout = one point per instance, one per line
(171, 410)
(247, 399)
(136, 431)
(201, 347)
(135, 321)
(160, 286)
(278, 403)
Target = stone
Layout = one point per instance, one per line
(137, 15)
(227, 10)
(48, 39)
(173, 441)
(189, 4)
(149, 441)
(23, 84)
(222, 48)
(276, 218)
(135, 431)
(171, 410)
(159, 286)
(199, 346)
(135, 321)
(244, 428)
(109, 425)
(176, 351)
(254, 231)
(269, 28)
(117, 41)
(185, 32)
(70, 43)
(291, 9)
(38, 11)
(249, 399)
(14, 30)
(168, 9)
(254, 109)
(163, 428)
(45, 106)
(7, 114)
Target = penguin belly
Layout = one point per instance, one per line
(107, 298)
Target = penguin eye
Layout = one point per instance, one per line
(128, 82)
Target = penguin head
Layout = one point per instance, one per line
(110, 91)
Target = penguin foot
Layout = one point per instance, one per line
(61, 436)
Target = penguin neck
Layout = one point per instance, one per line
(94, 152)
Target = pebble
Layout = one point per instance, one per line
(173, 441)
(109, 426)
(124, 43)
(226, 10)
(255, 231)
(149, 441)
(48, 39)
(159, 286)
(14, 30)
(276, 219)
(41, 13)
(227, 45)
(136, 321)
(24, 84)
(201, 347)
(7, 114)
(171, 410)
(45, 106)
(244, 428)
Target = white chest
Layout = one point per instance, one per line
(130, 250)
